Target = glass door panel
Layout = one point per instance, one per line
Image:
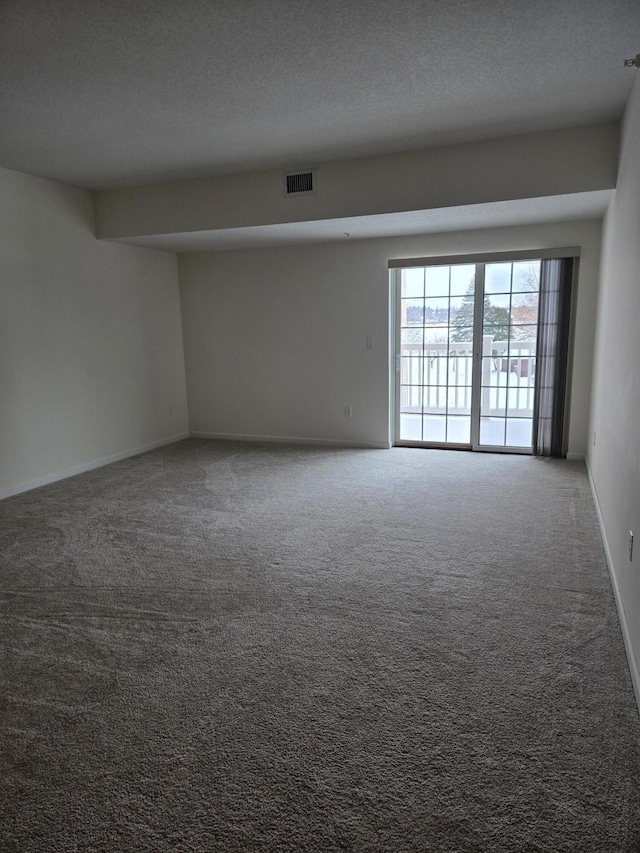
(436, 354)
(509, 336)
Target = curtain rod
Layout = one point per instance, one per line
(487, 257)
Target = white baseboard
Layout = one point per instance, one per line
(289, 439)
(631, 657)
(576, 457)
(87, 466)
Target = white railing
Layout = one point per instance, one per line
(437, 378)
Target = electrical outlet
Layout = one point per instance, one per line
(370, 342)
(348, 412)
(170, 410)
(631, 544)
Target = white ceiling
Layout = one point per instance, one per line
(588, 205)
(111, 93)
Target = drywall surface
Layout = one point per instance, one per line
(275, 342)
(536, 165)
(615, 458)
(276, 339)
(90, 337)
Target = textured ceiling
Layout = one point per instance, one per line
(109, 93)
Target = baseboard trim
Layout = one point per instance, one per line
(88, 466)
(576, 457)
(290, 439)
(634, 669)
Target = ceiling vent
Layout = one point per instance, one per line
(300, 183)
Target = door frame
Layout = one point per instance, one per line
(480, 260)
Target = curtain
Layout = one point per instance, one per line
(552, 354)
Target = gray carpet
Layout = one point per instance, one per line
(235, 647)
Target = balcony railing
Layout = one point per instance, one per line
(437, 378)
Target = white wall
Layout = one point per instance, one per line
(275, 340)
(90, 338)
(615, 459)
(534, 165)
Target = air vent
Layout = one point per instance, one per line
(300, 183)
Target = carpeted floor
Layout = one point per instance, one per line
(234, 647)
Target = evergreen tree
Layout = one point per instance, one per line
(496, 319)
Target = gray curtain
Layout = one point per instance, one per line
(552, 355)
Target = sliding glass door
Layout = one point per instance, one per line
(466, 354)
(509, 331)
